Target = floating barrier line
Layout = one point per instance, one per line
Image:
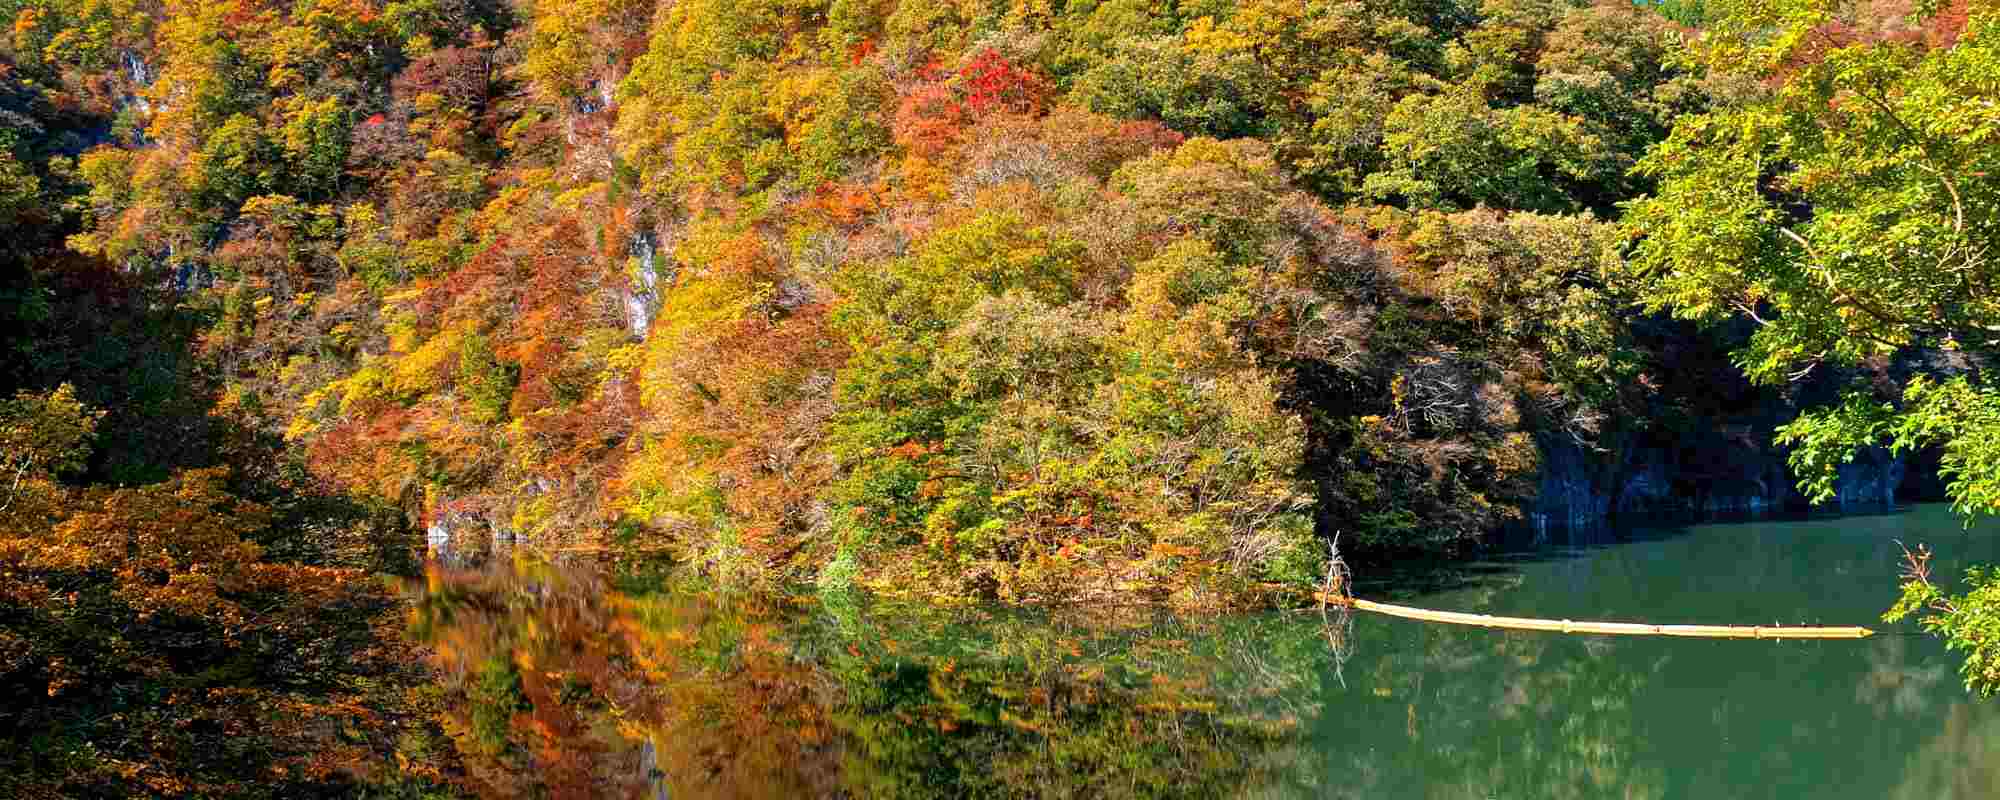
(1613, 628)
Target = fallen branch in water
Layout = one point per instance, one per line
(1611, 628)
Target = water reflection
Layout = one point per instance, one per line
(1961, 763)
(562, 684)
(1894, 685)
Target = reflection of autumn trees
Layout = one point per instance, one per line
(1893, 683)
(558, 677)
(563, 686)
(527, 666)
(739, 714)
(1961, 763)
(1482, 714)
(1030, 707)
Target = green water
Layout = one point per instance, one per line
(849, 699)
(1443, 712)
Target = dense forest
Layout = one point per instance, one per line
(1034, 302)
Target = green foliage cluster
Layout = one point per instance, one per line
(1843, 196)
(1969, 623)
(45, 435)
(990, 404)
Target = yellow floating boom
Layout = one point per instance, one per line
(1614, 628)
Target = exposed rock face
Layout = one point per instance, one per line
(1701, 443)
(1573, 492)
(1874, 479)
(1709, 474)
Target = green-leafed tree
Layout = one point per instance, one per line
(1846, 196)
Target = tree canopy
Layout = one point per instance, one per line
(1844, 196)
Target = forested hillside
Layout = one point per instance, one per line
(1019, 300)
(994, 299)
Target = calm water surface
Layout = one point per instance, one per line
(664, 694)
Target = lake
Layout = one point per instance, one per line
(571, 684)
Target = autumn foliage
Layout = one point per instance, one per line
(1104, 303)
(1022, 304)
(148, 646)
